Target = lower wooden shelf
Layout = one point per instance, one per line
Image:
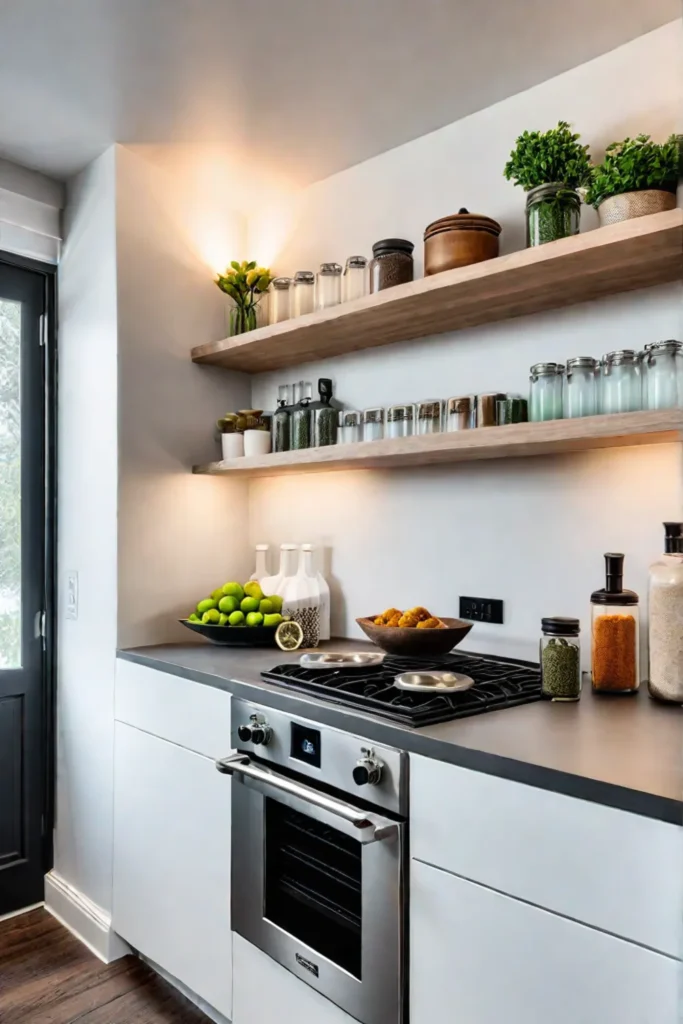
(517, 440)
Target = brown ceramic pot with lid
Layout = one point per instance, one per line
(459, 240)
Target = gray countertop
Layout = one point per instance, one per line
(622, 752)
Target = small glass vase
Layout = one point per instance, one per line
(240, 319)
(552, 211)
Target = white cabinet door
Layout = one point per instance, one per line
(479, 957)
(266, 993)
(172, 862)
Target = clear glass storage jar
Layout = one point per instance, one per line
(545, 394)
(281, 422)
(303, 293)
(373, 424)
(328, 286)
(582, 387)
(356, 281)
(459, 412)
(350, 429)
(400, 421)
(552, 211)
(429, 416)
(662, 375)
(620, 382)
(614, 633)
(280, 299)
(665, 674)
(560, 658)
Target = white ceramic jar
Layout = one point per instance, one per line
(257, 442)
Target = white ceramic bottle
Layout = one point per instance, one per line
(324, 592)
(288, 563)
(261, 572)
(666, 619)
(301, 590)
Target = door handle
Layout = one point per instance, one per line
(371, 826)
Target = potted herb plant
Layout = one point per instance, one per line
(245, 283)
(637, 177)
(550, 166)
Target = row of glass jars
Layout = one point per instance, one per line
(623, 381)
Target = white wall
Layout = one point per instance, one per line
(532, 532)
(180, 535)
(87, 495)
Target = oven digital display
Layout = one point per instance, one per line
(306, 744)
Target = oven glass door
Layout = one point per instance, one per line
(321, 895)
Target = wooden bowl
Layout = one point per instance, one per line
(416, 643)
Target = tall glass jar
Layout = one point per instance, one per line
(303, 293)
(662, 370)
(620, 382)
(301, 427)
(560, 659)
(350, 429)
(429, 416)
(615, 666)
(356, 282)
(328, 286)
(665, 675)
(280, 299)
(400, 420)
(325, 415)
(281, 424)
(460, 412)
(392, 263)
(582, 387)
(552, 211)
(373, 424)
(545, 395)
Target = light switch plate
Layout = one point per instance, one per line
(71, 596)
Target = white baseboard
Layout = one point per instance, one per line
(24, 910)
(83, 918)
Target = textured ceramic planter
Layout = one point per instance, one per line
(635, 204)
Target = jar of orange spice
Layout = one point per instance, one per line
(614, 633)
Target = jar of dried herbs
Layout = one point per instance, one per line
(560, 659)
(614, 632)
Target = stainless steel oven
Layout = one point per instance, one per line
(318, 857)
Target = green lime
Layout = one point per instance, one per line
(216, 595)
(276, 602)
(253, 589)
(236, 619)
(272, 620)
(249, 604)
(228, 604)
(222, 620)
(211, 617)
(233, 590)
(193, 618)
(254, 619)
(266, 606)
(289, 636)
(206, 605)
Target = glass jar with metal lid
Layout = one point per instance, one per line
(356, 281)
(392, 263)
(400, 421)
(620, 382)
(429, 416)
(545, 395)
(280, 299)
(303, 293)
(350, 430)
(328, 286)
(560, 658)
(662, 370)
(582, 387)
(459, 412)
(552, 211)
(373, 424)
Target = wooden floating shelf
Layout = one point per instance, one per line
(622, 257)
(514, 441)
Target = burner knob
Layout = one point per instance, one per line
(244, 733)
(368, 771)
(260, 734)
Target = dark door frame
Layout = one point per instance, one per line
(50, 372)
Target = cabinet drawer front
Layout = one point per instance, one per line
(180, 710)
(613, 870)
(483, 958)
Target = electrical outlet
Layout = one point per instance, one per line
(71, 611)
(481, 609)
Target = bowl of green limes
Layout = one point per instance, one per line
(238, 615)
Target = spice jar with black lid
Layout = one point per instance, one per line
(560, 659)
(391, 264)
(614, 633)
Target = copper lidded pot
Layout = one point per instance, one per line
(459, 240)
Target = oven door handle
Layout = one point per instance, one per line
(372, 827)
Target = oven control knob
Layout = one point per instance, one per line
(244, 733)
(368, 771)
(260, 734)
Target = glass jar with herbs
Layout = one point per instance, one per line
(325, 413)
(560, 659)
(281, 434)
(545, 394)
(392, 263)
(301, 427)
(552, 211)
(614, 633)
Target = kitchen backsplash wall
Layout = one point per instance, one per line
(531, 532)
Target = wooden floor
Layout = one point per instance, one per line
(48, 977)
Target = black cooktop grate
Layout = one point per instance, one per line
(498, 683)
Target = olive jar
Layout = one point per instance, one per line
(552, 211)
(391, 264)
(560, 659)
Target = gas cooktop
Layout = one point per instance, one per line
(498, 683)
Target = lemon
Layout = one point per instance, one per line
(289, 636)
(253, 589)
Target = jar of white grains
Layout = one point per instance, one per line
(666, 619)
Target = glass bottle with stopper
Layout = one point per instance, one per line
(614, 633)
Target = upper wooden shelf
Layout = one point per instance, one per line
(517, 440)
(622, 257)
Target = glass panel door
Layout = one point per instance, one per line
(10, 483)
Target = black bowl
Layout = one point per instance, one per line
(234, 636)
